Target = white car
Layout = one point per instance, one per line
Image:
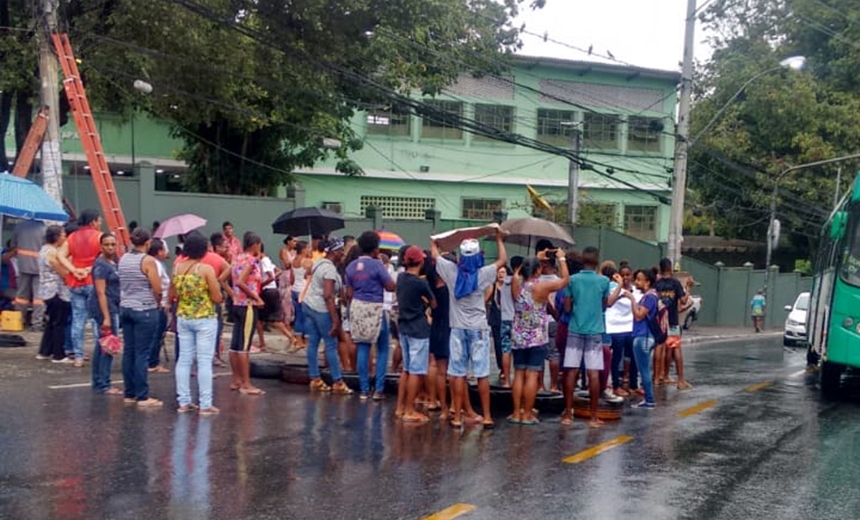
(691, 312)
(795, 323)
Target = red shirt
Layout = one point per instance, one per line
(84, 246)
(214, 260)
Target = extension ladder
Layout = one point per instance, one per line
(31, 144)
(91, 143)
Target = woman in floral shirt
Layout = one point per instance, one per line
(530, 332)
(196, 290)
(247, 277)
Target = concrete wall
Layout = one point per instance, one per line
(726, 291)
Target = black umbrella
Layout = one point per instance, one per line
(307, 221)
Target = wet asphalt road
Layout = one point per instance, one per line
(752, 440)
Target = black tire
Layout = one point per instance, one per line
(787, 342)
(266, 369)
(12, 341)
(831, 375)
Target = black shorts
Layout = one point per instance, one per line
(272, 310)
(440, 342)
(244, 323)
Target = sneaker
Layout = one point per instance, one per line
(646, 405)
(611, 397)
(40, 357)
(64, 361)
(378, 396)
(364, 396)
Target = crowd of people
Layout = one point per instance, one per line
(438, 317)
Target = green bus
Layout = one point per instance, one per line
(833, 320)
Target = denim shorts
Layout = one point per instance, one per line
(530, 358)
(584, 347)
(506, 336)
(469, 346)
(416, 354)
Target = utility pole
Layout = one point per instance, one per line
(573, 174)
(51, 159)
(836, 189)
(682, 136)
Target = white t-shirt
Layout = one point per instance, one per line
(619, 317)
(267, 268)
(165, 284)
(551, 298)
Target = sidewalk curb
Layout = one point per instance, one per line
(730, 337)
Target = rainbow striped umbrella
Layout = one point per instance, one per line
(389, 240)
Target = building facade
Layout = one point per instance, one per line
(624, 117)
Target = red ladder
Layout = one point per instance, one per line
(31, 144)
(92, 145)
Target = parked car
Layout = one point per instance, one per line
(691, 313)
(795, 322)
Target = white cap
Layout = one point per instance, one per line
(470, 247)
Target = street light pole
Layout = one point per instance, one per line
(679, 182)
(573, 178)
(773, 196)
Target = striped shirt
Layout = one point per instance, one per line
(135, 290)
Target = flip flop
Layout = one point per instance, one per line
(512, 420)
(455, 424)
(254, 391)
(530, 422)
(488, 425)
(415, 419)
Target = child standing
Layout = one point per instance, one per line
(414, 296)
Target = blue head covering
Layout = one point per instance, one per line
(467, 275)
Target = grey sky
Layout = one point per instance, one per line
(646, 33)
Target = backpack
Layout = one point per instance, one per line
(658, 325)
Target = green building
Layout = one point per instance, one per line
(625, 116)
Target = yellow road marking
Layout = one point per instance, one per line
(450, 512)
(755, 388)
(696, 409)
(597, 450)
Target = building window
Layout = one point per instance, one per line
(438, 127)
(643, 134)
(641, 222)
(555, 127)
(499, 117)
(388, 121)
(595, 214)
(406, 208)
(481, 209)
(600, 131)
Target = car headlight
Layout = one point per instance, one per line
(795, 323)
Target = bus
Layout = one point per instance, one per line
(833, 320)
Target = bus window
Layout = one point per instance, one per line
(850, 269)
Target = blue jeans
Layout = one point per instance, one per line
(642, 346)
(155, 349)
(317, 327)
(299, 326)
(382, 344)
(138, 329)
(621, 343)
(469, 347)
(80, 314)
(198, 342)
(102, 362)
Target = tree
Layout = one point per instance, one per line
(253, 86)
(781, 119)
(18, 75)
